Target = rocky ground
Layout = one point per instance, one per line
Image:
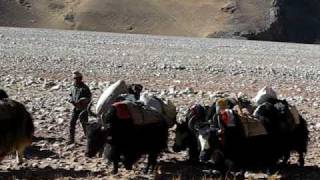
(36, 68)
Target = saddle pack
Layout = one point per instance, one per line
(139, 114)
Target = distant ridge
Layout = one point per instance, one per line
(272, 20)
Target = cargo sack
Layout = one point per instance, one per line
(226, 116)
(165, 107)
(169, 112)
(122, 110)
(264, 93)
(140, 115)
(109, 96)
(251, 126)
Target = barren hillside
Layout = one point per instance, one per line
(275, 20)
(36, 68)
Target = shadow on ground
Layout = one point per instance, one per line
(35, 152)
(295, 172)
(183, 170)
(45, 173)
(48, 139)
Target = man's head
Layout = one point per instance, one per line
(77, 77)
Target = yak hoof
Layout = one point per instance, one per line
(114, 171)
(284, 163)
(145, 171)
(229, 164)
(301, 163)
(19, 157)
(192, 161)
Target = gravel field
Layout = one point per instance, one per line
(36, 66)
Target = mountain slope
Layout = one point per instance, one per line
(274, 20)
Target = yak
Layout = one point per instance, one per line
(280, 121)
(127, 139)
(265, 149)
(185, 136)
(16, 128)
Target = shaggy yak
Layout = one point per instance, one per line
(16, 128)
(280, 122)
(186, 137)
(127, 139)
(267, 149)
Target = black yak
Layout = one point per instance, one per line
(287, 125)
(127, 139)
(185, 136)
(16, 128)
(284, 135)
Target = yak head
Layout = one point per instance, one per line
(208, 140)
(97, 137)
(182, 137)
(185, 130)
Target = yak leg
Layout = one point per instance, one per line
(152, 160)
(19, 156)
(115, 156)
(115, 165)
(20, 147)
(20, 150)
(193, 155)
(301, 159)
(127, 162)
(285, 158)
(1, 157)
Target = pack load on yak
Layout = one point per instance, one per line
(243, 129)
(109, 96)
(147, 112)
(264, 94)
(118, 91)
(251, 125)
(163, 106)
(139, 114)
(245, 110)
(227, 113)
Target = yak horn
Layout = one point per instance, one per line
(191, 124)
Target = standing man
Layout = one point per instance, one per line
(80, 97)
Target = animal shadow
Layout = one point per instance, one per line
(35, 152)
(296, 172)
(48, 139)
(45, 173)
(184, 170)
